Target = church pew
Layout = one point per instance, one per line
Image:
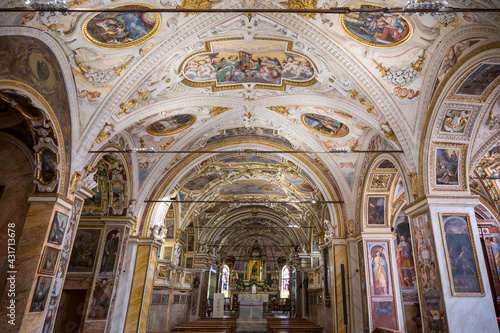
(295, 327)
(212, 325)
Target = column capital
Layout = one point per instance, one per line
(50, 198)
(442, 199)
(148, 241)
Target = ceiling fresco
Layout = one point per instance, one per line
(247, 82)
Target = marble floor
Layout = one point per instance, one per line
(251, 325)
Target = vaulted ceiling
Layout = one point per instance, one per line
(179, 82)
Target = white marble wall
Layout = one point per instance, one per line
(123, 292)
(465, 314)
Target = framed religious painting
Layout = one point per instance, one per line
(448, 162)
(84, 252)
(41, 293)
(461, 255)
(58, 228)
(380, 285)
(49, 261)
(376, 211)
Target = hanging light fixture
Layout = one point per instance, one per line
(55, 5)
(425, 4)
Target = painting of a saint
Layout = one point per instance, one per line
(462, 259)
(404, 254)
(111, 251)
(122, 29)
(376, 210)
(495, 246)
(428, 275)
(325, 125)
(380, 284)
(447, 170)
(49, 261)
(376, 28)
(41, 293)
(58, 228)
(118, 194)
(48, 164)
(84, 251)
(380, 274)
(171, 125)
(101, 298)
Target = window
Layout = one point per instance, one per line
(285, 282)
(225, 281)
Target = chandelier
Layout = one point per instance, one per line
(55, 5)
(425, 4)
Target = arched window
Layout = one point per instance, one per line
(285, 282)
(225, 281)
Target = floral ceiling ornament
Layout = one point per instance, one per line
(380, 181)
(302, 4)
(402, 76)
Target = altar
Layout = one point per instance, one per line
(251, 305)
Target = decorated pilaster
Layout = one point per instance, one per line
(453, 282)
(142, 284)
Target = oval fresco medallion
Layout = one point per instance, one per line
(325, 125)
(376, 29)
(122, 29)
(171, 125)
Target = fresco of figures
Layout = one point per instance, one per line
(447, 166)
(428, 274)
(121, 29)
(376, 29)
(383, 310)
(233, 62)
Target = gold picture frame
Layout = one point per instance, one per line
(358, 36)
(448, 166)
(138, 41)
(315, 130)
(40, 160)
(459, 247)
(50, 259)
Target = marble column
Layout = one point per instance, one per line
(444, 230)
(123, 291)
(25, 274)
(142, 285)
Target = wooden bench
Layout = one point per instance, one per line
(295, 327)
(212, 325)
(385, 330)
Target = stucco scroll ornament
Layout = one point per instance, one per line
(89, 180)
(388, 132)
(456, 120)
(131, 207)
(105, 133)
(493, 121)
(402, 76)
(159, 233)
(414, 185)
(329, 232)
